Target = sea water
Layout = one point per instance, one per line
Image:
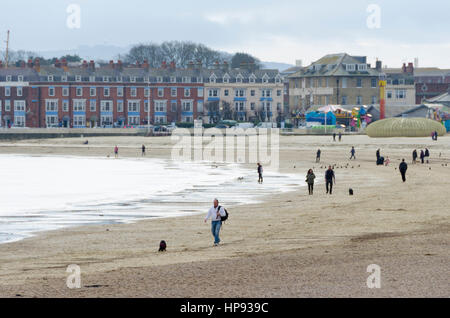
(41, 193)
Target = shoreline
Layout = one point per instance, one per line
(290, 227)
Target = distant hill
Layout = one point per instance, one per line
(276, 65)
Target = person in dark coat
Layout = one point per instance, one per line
(427, 153)
(414, 155)
(422, 156)
(403, 168)
(318, 156)
(378, 155)
(310, 177)
(329, 180)
(352, 152)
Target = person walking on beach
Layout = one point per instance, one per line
(334, 136)
(414, 156)
(340, 136)
(422, 156)
(403, 168)
(215, 213)
(378, 155)
(310, 181)
(318, 156)
(116, 152)
(329, 179)
(352, 152)
(427, 154)
(143, 150)
(260, 174)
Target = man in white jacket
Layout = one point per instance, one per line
(215, 213)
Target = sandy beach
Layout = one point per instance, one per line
(291, 245)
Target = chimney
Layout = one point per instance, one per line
(85, 64)
(22, 64)
(64, 64)
(92, 65)
(37, 64)
(190, 65)
(404, 68)
(199, 65)
(119, 65)
(225, 66)
(410, 68)
(173, 66)
(379, 65)
(216, 65)
(164, 65)
(111, 64)
(145, 65)
(138, 64)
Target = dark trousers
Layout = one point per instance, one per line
(403, 176)
(260, 179)
(310, 188)
(353, 156)
(329, 185)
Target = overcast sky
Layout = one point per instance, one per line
(272, 30)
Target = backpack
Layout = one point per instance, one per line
(223, 218)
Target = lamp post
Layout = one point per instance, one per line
(148, 106)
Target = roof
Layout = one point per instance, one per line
(444, 98)
(335, 65)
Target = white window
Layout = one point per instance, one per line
(106, 106)
(64, 78)
(146, 106)
(51, 120)
(79, 91)
(7, 105)
(187, 119)
(160, 119)
(106, 91)
(50, 78)
(252, 79)
(92, 91)
(20, 78)
(92, 78)
(252, 106)
(93, 105)
(213, 92)
(239, 79)
(173, 79)
(78, 78)
(344, 82)
(51, 91)
(265, 79)
(147, 92)
(173, 92)
(19, 105)
(226, 78)
(226, 92)
(106, 120)
(359, 82)
(65, 91)
(350, 67)
(240, 92)
(105, 79)
(159, 79)
(200, 106)
(173, 106)
(239, 106)
(19, 121)
(119, 79)
(51, 105)
(133, 106)
(19, 91)
(186, 79)
(65, 105)
(79, 105)
(9, 78)
(362, 67)
(389, 94)
(160, 106)
(120, 106)
(400, 94)
(134, 120)
(358, 100)
(160, 92)
(186, 106)
(133, 79)
(0, 111)
(279, 92)
(200, 92)
(119, 91)
(187, 92)
(374, 99)
(79, 121)
(213, 78)
(133, 92)
(278, 80)
(266, 93)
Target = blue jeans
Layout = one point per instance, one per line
(215, 229)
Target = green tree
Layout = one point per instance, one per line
(240, 58)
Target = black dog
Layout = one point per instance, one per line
(350, 191)
(162, 246)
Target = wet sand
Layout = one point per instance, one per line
(292, 245)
